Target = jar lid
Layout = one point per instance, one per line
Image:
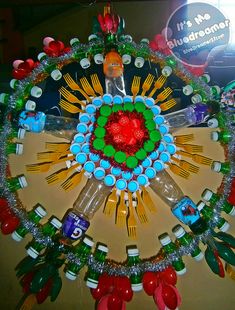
(165, 157)
(158, 165)
(121, 184)
(99, 173)
(107, 98)
(79, 138)
(117, 99)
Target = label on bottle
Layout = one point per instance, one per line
(74, 226)
(186, 211)
(201, 112)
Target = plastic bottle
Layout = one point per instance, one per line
(16, 133)
(223, 136)
(35, 216)
(96, 48)
(212, 199)
(48, 230)
(59, 126)
(223, 168)
(14, 148)
(17, 105)
(168, 248)
(30, 89)
(80, 53)
(218, 121)
(17, 183)
(133, 259)
(126, 49)
(50, 69)
(185, 239)
(88, 202)
(143, 53)
(81, 251)
(93, 276)
(215, 90)
(205, 78)
(207, 214)
(4, 98)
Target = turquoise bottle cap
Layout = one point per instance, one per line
(150, 172)
(117, 99)
(86, 148)
(91, 108)
(156, 110)
(82, 128)
(109, 180)
(164, 129)
(127, 99)
(154, 155)
(116, 171)
(133, 186)
(89, 166)
(161, 147)
(138, 170)
(94, 157)
(165, 156)
(158, 165)
(168, 138)
(147, 162)
(91, 128)
(99, 173)
(139, 99)
(127, 175)
(121, 184)
(107, 98)
(142, 179)
(75, 148)
(171, 148)
(81, 158)
(105, 164)
(97, 101)
(88, 137)
(150, 102)
(159, 119)
(84, 118)
(79, 138)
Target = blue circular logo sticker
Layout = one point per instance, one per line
(193, 30)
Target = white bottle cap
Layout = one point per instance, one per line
(166, 71)
(137, 287)
(206, 77)
(3, 97)
(207, 194)
(181, 272)
(19, 149)
(200, 205)
(88, 241)
(56, 223)
(15, 236)
(214, 136)
(139, 62)
(42, 56)
(216, 166)
(23, 182)
(13, 83)
(178, 231)
(21, 133)
(47, 40)
(225, 227)
(196, 98)
(16, 63)
(70, 275)
(144, 40)
(36, 92)
(85, 63)
(132, 252)
(91, 283)
(103, 248)
(92, 36)
(199, 257)
(99, 59)
(74, 41)
(164, 239)
(232, 212)
(30, 105)
(32, 252)
(56, 75)
(187, 90)
(126, 59)
(216, 88)
(213, 123)
(40, 211)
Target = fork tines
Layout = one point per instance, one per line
(87, 87)
(135, 87)
(184, 138)
(147, 84)
(57, 147)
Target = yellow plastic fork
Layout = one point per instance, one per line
(96, 84)
(135, 87)
(167, 105)
(60, 175)
(111, 203)
(186, 165)
(51, 156)
(70, 97)
(200, 159)
(157, 85)
(191, 148)
(179, 171)
(69, 107)
(147, 200)
(131, 221)
(184, 138)
(140, 210)
(121, 211)
(87, 87)
(74, 86)
(44, 167)
(147, 84)
(57, 147)
(72, 181)
(164, 94)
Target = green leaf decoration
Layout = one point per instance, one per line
(229, 239)
(56, 287)
(226, 253)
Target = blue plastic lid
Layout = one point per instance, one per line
(116, 171)
(82, 128)
(86, 148)
(79, 138)
(163, 129)
(109, 180)
(156, 110)
(150, 172)
(150, 102)
(93, 119)
(107, 98)
(133, 186)
(94, 157)
(165, 156)
(142, 179)
(159, 119)
(91, 109)
(127, 175)
(81, 158)
(138, 170)
(161, 147)
(84, 118)
(171, 148)
(117, 99)
(127, 99)
(139, 99)
(91, 128)
(89, 166)
(105, 164)
(154, 155)
(75, 148)
(88, 136)
(147, 162)
(168, 138)
(99, 173)
(158, 165)
(97, 101)
(121, 184)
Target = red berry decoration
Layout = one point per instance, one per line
(169, 276)
(10, 224)
(124, 121)
(115, 128)
(150, 281)
(114, 302)
(5, 213)
(170, 296)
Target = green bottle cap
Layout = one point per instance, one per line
(120, 157)
(109, 150)
(99, 132)
(140, 107)
(98, 144)
(150, 124)
(129, 107)
(149, 146)
(105, 110)
(101, 121)
(141, 154)
(131, 162)
(148, 114)
(117, 107)
(155, 136)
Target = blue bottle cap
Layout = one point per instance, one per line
(142, 179)
(84, 118)
(165, 156)
(147, 162)
(138, 170)
(168, 138)
(109, 180)
(161, 147)
(156, 110)
(81, 158)
(154, 155)
(150, 172)
(99, 173)
(107, 98)
(79, 138)
(133, 186)
(105, 164)
(127, 175)
(91, 109)
(97, 101)
(89, 166)
(117, 99)
(116, 171)
(127, 99)
(159, 119)
(158, 165)
(171, 148)
(88, 136)
(82, 128)
(93, 119)
(139, 99)
(150, 102)
(75, 148)
(121, 184)
(86, 148)
(94, 157)
(91, 128)
(163, 129)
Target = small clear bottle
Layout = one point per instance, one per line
(133, 259)
(80, 53)
(126, 49)
(96, 48)
(52, 69)
(30, 89)
(142, 53)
